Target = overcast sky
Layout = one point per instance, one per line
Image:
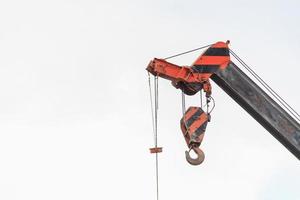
(75, 120)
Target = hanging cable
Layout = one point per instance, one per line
(154, 113)
(186, 52)
(183, 107)
(156, 140)
(201, 103)
(267, 87)
(152, 109)
(183, 102)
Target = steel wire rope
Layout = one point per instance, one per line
(267, 87)
(152, 109)
(183, 102)
(154, 123)
(186, 52)
(276, 95)
(156, 140)
(201, 102)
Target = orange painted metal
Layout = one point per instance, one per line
(190, 122)
(156, 150)
(172, 72)
(191, 79)
(193, 125)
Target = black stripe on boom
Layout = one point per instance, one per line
(193, 118)
(205, 68)
(217, 52)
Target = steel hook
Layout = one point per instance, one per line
(195, 161)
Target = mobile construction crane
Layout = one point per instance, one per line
(281, 121)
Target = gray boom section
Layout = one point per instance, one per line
(260, 106)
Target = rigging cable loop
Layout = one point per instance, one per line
(214, 104)
(267, 87)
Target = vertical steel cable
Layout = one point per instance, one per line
(152, 109)
(201, 103)
(183, 102)
(154, 123)
(156, 140)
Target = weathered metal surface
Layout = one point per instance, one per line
(260, 106)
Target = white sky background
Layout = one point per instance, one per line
(75, 118)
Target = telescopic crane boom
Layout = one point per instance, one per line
(215, 64)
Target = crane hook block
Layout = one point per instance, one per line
(193, 126)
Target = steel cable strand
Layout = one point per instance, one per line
(267, 87)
